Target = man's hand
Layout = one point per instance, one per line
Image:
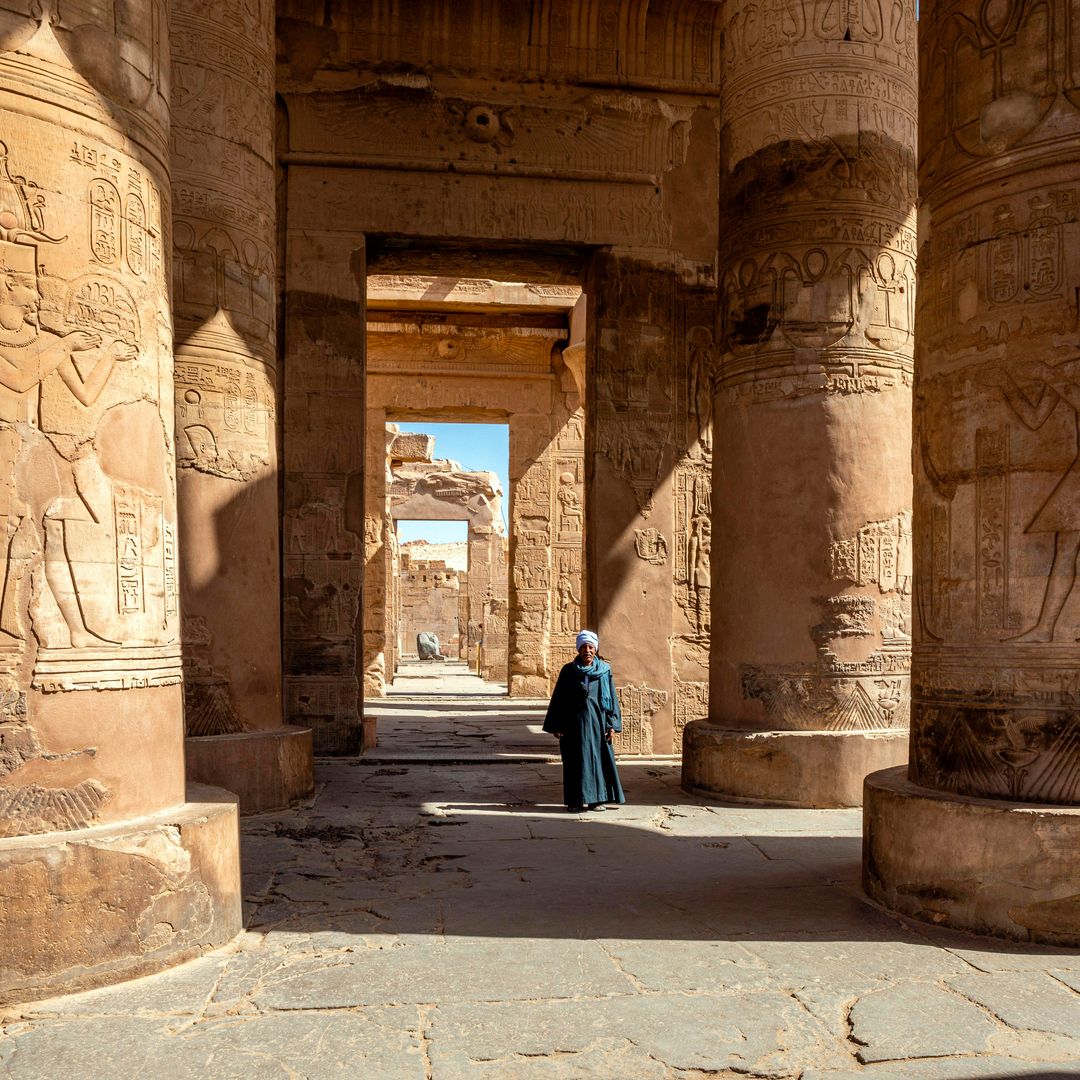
(609, 733)
(81, 340)
(121, 350)
(556, 734)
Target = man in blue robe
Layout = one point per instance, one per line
(583, 715)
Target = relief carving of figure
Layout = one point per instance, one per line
(29, 353)
(567, 604)
(571, 515)
(1047, 386)
(697, 562)
(702, 389)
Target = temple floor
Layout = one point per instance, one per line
(436, 920)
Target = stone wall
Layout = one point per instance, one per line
(618, 151)
(429, 602)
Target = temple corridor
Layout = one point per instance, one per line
(431, 920)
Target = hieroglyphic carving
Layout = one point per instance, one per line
(693, 545)
(208, 703)
(810, 701)
(691, 703)
(97, 511)
(32, 808)
(997, 406)
(634, 382)
(529, 613)
(600, 41)
(651, 545)
(638, 705)
(225, 416)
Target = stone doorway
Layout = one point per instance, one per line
(446, 556)
(466, 352)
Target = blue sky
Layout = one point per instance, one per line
(476, 447)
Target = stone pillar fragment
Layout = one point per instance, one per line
(323, 518)
(226, 402)
(101, 856)
(982, 831)
(530, 558)
(811, 583)
(632, 435)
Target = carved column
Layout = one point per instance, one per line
(811, 584)
(530, 556)
(633, 336)
(982, 830)
(101, 856)
(323, 515)
(226, 403)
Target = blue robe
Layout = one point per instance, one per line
(583, 707)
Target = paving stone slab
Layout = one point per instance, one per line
(767, 1034)
(1026, 1000)
(914, 1020)
(505, 969)
(957, 1068)
(376, 1043)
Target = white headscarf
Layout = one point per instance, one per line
(587, 637)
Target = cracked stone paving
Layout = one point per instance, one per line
(436, 915)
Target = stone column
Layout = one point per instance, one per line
(530, 556)
(631, 443)
(224, 239)
(106, 872)
(810, 523)
(324, 526)
(983, 829)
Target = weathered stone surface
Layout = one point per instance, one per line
(114, 902)
(995, 713)
(977, 864)
(916, 1021)
(266, 770)
(812, 373)
(796, 768)
(1031, 1001)
(518, 940)
(412, 446)
(318, 1046)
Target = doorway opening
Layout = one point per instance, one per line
(449, 553)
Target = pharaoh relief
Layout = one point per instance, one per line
(89, 568)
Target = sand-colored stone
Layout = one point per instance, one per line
(101, 881)
(226, 386)
(990, 866)
(787, 768)
(811, 505)
(564, 166)
(323, 529)
(112, 902)
(266, 770)
(994, 707)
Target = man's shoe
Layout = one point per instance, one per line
(575, 809)
(597, 807)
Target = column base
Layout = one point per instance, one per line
(786, 768)
(267, 770)
(529, 686)
(983, 865)
(98, 906)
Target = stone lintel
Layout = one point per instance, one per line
(786, 768)
(97, 906)
(988, 866)
(266, 770)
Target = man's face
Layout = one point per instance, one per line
(19, 292)
(587, 652)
